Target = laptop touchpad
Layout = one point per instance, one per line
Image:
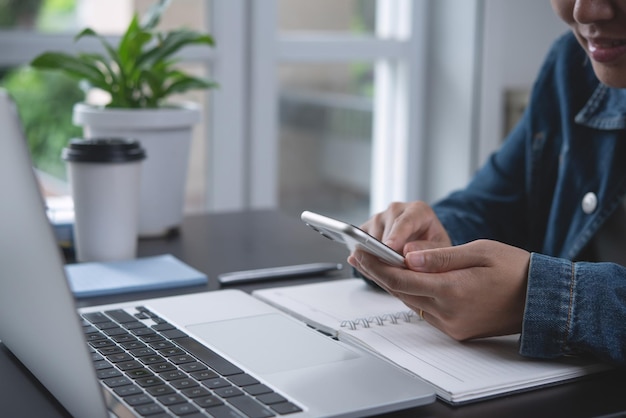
(271, 343)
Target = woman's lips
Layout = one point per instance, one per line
(606, 50)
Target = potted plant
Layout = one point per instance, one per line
(139, 75)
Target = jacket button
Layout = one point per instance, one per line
(590, 203)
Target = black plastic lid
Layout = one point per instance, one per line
(103, 150)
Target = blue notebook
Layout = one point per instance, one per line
(148, 273)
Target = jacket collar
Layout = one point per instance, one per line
(606, 109)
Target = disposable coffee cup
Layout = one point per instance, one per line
(104, 176)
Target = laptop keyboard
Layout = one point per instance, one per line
(159, 371)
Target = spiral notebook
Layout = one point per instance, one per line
(356, 313)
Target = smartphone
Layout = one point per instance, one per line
(351, 236)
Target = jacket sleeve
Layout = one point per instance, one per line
(579, 310)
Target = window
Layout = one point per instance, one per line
(325, 138)
(322, 104)
(343, 77)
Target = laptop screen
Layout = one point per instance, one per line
(38, 319)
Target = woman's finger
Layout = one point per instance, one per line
(395, 280)
(448, 258)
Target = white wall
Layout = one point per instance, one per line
(517, 36)
(451, 71)
(479, 50)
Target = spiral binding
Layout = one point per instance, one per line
(392, 318)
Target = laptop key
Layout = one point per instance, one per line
(129, 365)
(193, 367)
(139, 373)
(90, 329)
(119, 357)
(271, 398)
(285, 408)
(134, 345)
(208, 401)
(121, 316)
(204, 374)
(228, 392)
(159, 390)
(101, 343)
(107, 351)
(127, 390)
(183, 409)
(114, 382)
(95, 337)
(160, 345)
(96, 317)
(224, 411)
(208, 357)
(135, 400)
(164, 326)
(172, 351)
(108, 373)
(149, 409)
(182, 359)
(184, 383)
(171, 399)
(215, 383)
(174, 334)
(115, 331)
(162, 367)
(243, 380)
(141, 351)
(256, 390)
(143, 332)
(151, 359)
(195, 392)
(149, 381)
(151, 338)
(101, 365)
(124, 338)
(250, 407)
(172, 375)
(106, 325)
(134, 325)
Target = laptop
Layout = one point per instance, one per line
(216, 354)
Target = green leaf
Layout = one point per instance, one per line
(83, 33)
(73, 66)
(113, 79)
(132, 44)
(109, 48)
(155, 86)
(172, 43)
(187, 83)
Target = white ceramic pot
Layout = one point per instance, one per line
(165, 134)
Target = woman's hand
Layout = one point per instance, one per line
(467, 291)
(408, 227)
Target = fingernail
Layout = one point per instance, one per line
(415, 259)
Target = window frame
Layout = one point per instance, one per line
(397, 52)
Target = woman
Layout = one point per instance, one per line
(533, 244)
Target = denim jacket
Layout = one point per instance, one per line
(569, 147)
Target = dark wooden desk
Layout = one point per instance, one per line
(221, 243)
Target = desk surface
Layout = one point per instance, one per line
(221, 243)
